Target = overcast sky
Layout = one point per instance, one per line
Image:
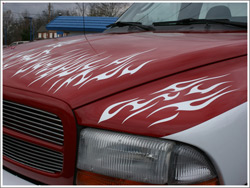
(34, 8)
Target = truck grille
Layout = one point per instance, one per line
(33, 122)
(34, 156)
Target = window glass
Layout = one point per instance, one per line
(147, 13)
(236, 9)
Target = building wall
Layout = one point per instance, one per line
(46, 35)
(72, 33)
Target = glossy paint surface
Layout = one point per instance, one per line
(172, 104)
(78, 72)
(223, 139)
(64, 112)
(97, 82)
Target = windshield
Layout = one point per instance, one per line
(149, 13)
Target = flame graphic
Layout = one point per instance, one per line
(165, 97)
(75, 68)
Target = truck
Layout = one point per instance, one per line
(159, 98)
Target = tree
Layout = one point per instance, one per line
(107, 9)
(24, 26)
(8, 21)
(15, 29)
(101, 9)
(18, 28)
(81, 9)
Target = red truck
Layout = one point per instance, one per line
(159, 98)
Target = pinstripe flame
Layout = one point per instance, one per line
(74, 68)
(166, 96)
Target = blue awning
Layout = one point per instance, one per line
(77, 23)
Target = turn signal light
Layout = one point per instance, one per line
(90, 178)
(213, 181)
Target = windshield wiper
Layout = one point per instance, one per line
(190, 21)
(136, 24)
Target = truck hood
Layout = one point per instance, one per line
(79, 71)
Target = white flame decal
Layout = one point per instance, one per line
(75, 68)
(166, 95)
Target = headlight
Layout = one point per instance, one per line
(141, 159)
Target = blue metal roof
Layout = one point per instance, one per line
(75, 23)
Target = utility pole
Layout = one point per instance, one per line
(49, 11)
(49, 17)
(6, 17)
(31, 28)
(5, 36)
(5, 30)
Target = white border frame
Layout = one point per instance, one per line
(138, 1)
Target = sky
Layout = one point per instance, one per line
(34, 8)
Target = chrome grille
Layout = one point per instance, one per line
(33, 122)
(32, 155)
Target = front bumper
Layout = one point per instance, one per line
(11, 179)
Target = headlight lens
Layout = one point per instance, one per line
(188, 166)
(141, 159)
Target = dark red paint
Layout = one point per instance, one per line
(89, 115)
(173, 53)
(64, 112)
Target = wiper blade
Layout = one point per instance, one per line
(136, 24)
(190, 21)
